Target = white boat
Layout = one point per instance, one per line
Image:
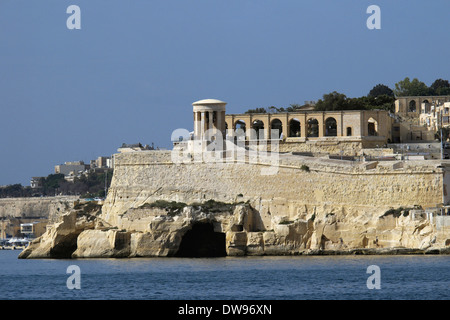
(16, 243)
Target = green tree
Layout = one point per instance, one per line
(380, 90)
(333, 101)
(338, 101)
(256, 110)
(406, 87)
(272, 109)
(440, 87)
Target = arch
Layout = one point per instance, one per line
(258, 126)
(426, 106)
(240, 124)
(240, 129)
(349, 131)
(372, 127)
(412, 107)
(294, 128)
(202, 241)
(330, 127)
(312, 128)
(276, 124)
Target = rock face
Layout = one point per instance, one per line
(159, 207)
(60, 240)
(226, 229)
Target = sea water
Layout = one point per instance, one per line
(229, 278)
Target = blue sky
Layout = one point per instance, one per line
(133, 70)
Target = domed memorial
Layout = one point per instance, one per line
(209, 114)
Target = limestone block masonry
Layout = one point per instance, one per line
(34, 208)
(309, 204)
(143, 177)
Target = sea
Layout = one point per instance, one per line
(355, 277)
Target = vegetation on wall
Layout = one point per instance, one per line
(174, 208)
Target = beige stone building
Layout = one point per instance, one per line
(420, 117)
(309, 130)
(415, 105)
(331, 132)
(342, 133)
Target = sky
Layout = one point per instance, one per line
(133, 70)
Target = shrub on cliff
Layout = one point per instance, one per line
(304, 168)
(397, 212)
(172, 207)
(87, 208)
(213, 206)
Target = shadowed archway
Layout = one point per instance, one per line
(202, 241)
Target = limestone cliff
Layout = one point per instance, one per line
(160, 207)
(228, 229)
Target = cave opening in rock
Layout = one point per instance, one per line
(202, 241)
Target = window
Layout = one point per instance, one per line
(330, 127)
(313, 128)
(294, 128)
(349, 131)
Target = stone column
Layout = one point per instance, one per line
(202, 125)
(303, 126)
(219, 124)
(321, 121)
(211, 123)
(197, 125)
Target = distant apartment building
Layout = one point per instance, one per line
(103, 162)
(71, 168)
(33, 229)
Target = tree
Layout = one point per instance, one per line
(333, 101)
(440, 87)
(407, 87)
(379, 90)
(338, 101)
(272, 109)
(257, 110)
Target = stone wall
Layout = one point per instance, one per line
(346, 147)
(301, 205)
(45, 207)
(301, 186)
(15, 211)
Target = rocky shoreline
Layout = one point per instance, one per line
(214, 229)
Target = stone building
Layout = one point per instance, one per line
(73, 167)
(331, 132)
(413, 106)
(420, 117)
(309, 130)
(345, 133)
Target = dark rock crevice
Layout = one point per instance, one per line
(202, 241)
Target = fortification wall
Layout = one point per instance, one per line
(326, 146)
(46, 207)
(300, 186)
